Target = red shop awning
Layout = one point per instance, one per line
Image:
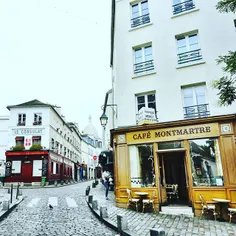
(36, 137)
(20, 138)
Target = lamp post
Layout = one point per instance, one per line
(103, 120)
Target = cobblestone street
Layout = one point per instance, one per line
(70, 214)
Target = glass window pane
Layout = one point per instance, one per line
(188, 97)
(193, 42)
(135, 11)
(200, 95)
(151, 98)
(142, 171)
(206, 162)
(176, 2)
(148, 53)
(182, 47)
(141, 99)
(170, 145)
(144, 6)
(138, 55)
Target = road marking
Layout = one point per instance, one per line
(52, 201)
(71, 202)
(33, 202)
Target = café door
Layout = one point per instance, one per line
(172, 174)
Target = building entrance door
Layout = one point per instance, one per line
(26, 171)
(173, 178)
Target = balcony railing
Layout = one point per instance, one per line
(142, 67)
(141, 20)
(183, 6)
(189, 56)
(197, 111)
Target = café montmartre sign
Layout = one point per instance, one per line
(176, 133)
(28, 131)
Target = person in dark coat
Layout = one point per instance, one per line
(106, 184)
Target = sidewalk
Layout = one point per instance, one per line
(4, 196)
(141, 223)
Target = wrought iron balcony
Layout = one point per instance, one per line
(183, 6)
(142, 67)
(189, 56)
(141, 20)
(197, 111)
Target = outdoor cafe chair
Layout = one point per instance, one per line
(232, 211)
(207, 207)
(149, 201)
(132, 201)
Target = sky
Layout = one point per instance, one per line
(56, 51)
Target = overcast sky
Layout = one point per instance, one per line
(56, 51)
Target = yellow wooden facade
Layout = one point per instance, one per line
(222, 128)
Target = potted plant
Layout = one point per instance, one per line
(36, 147)
(18, 148)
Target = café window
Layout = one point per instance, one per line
(19, 141)
(36, 140)
(206, 162)
(37, 119)
(142, 170)
(21, 119)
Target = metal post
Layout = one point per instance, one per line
(11, 192)
(103, 137)
(17, 191)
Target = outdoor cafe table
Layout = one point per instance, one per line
(221, 202)
(142, 195)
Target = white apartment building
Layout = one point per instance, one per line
(41, 144)
(163, 56)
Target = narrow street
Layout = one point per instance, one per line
(70, 214)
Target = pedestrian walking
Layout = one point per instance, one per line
(106, 184)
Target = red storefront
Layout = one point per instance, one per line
(31, 166)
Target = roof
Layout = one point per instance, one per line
(32, 103)
(90, 129)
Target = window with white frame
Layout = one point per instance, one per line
(148, 101)
(37, 119)
(21, 119)
(143, 59)
(139, 14)
(188, 48)
(180, 6)
(20, 140)
(36, 140)
(16, 167)
(195, 101)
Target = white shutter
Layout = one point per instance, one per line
(16, 167)
(37, 168)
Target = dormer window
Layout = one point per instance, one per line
(21, 119)
(37, 119)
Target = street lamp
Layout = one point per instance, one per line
(103, 120)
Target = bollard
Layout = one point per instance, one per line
(5, 205)
(103, 212)
(93, 185)
(157, 232)
(11, 193)
(20, 192)
(87, 191)
(122, 222)
(95, 205)
(90, 199)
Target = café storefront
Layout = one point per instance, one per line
(198, 156)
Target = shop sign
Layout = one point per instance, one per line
(146, 115)
(28, 131)
(55, 158)
(176, 133)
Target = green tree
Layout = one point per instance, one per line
(226, 84)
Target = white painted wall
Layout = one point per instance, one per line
(4, 122)
(216, 37)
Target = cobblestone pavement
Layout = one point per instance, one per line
(70, 214)
(141, 223)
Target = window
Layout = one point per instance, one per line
(19, 141)
(194, 99)
(182, 6)
(61, 148)
(37, 167)
(64, 151)
(142, 171)
(21, 119)
(37, 119)
(57, 168)
(146, 100)
(36, 140)
(206, 162)
(188, 48)
(16, 167)
(139, 14)
(235, 24)
(143, 61)
(52, 143)
(51, 167)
